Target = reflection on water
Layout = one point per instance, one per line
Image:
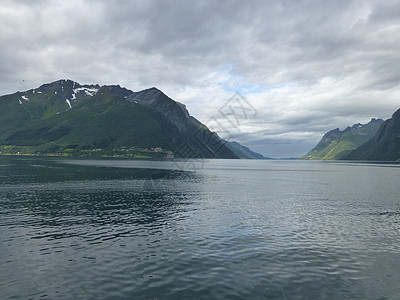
(116, 229)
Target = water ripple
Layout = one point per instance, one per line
(298, 231)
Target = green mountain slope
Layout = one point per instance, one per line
(336, 143)
(65, 117)
(384, 145)
(102, 121)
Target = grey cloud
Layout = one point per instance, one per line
(193, 46)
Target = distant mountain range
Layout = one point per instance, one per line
(336, 144)
(66, 118)
(244, 152)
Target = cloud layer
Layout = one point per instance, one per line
(305, 66)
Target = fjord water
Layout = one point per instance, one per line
(216, 229)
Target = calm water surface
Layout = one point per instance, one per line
(221, 229)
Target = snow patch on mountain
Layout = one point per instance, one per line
(69, 103)
(88, 91)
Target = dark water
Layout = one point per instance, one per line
(232, 229)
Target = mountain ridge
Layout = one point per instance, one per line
(337, 143)
(383, 146)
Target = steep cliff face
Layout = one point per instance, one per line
(196, 134)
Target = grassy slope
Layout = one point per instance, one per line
(102, 121)
(340, 145)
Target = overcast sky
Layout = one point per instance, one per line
(302, 67)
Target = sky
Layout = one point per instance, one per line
(272, 75)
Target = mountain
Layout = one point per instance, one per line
(384, 145)
(177, 113)
(336, 143)
(197, 135)
(67, 118)
(244, 152)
